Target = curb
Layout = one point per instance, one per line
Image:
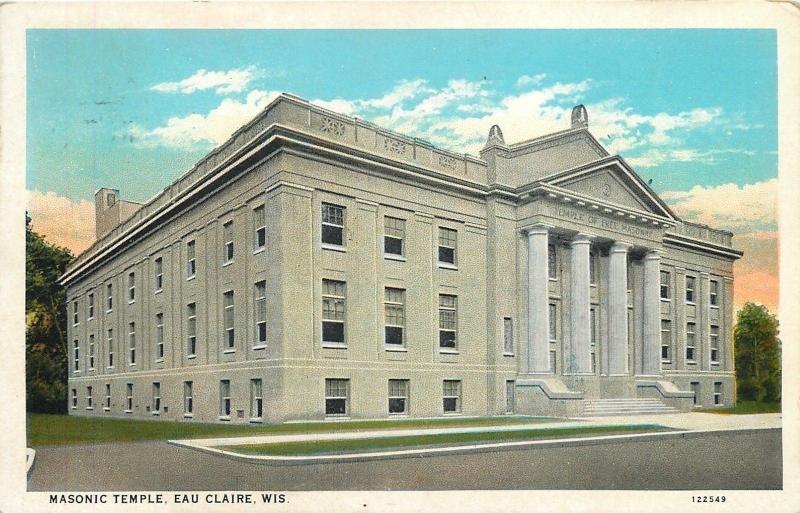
(30, 455)
(460, 449)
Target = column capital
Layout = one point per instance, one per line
(653, 254)
(537, 229)
(581, 238)
(620, 247)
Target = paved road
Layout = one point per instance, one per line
(714, 461)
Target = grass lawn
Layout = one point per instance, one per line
(745, 408)
(435, 440)
(46, 429)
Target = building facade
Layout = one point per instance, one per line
(318, 266)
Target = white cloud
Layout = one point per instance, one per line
(63, 222)
(223, 82)
(531, 80)
(729, 206)
(199, 130)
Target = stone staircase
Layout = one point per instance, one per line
(624, 406)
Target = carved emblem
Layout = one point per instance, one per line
(606, 190)
(447, 161)
(332, 126)
(394, 146)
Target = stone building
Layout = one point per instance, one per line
(318, 266)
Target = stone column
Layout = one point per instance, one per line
(538, 311)
(580, 348)
(618, 308)
(651, 332)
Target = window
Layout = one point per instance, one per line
(76, 356)
(665, 285)
(333, 312)
(593, 338)
(89, 399)
(128, 397)
(336, 392)
(553, 361)
(227, 236)
(108, 397)
(394, 311)
(398, 396)
(131, 287)
(225, 398)
(191, 329)
(159, 336)
(690, 289)
(91, 352)
(629, 275)
(592, 267)
(132, 343)
(553, 322)
(713, 289)
(552, 269)
(74, 398)
(451, 396)
(110, 342)
(159, 270)
(260, 228)
(75, 319)
(717, 393)
(666, 337)
(394, 233)
(261, 313)
(188, 399)
(695, 386)
(90, 307)
(447, 246)
(713, 336)
(228, 317)
(509, 396)
(332, 225)
(690, 342)
(448, 321)
(191, 262)
(109, 297)
(508, 336)
(256, 399)
(155, 407)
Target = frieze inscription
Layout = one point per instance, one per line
(613, 225)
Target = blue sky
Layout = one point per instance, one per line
(92, 110)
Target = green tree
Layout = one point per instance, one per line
(758, 354)
(46, 324)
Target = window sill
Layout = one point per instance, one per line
(90, 369)
(593, 285)
(691, 362)
(691, 303)
(106, 408)
(451, 413)
(90, 318)
(445, 265)
(716, 307)
(157, 292)
(159, 360)
(256, 420)
(110, 311)
(258, 347)
(190, 278)
(131, 302)
(188, 415)
(668, 362)
(128, 411)
(333, 247)
(716, 363)
(395, 349)
(191, 356)
(131, 365)
(155, 412)
(90, 408)
(76, 324)
(508, 354)
(666, 300)
(74, 407)
(229, 351)
(110, 367)
(391, 256)
(343, 416)
(448, 351)
(226, 264)
(226, 418)
(259, 250)
(552, 279)
(76, 372)
(400, 415)
(334, 345)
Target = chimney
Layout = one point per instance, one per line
(106, 211)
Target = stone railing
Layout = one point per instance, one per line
(703, 232)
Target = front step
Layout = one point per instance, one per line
(624, 406)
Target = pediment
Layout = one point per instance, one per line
(613, 182)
